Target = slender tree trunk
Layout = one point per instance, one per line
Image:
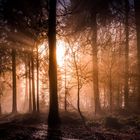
(118, 94)
(14, 106)
(137, 16)
(27, 85)
(126, 86)
(65, 102)
(33, 85)
(95, 67)
(37, 82)
(53, 117)
(104, 100)
(119, 71)
(121, 96)
(0, 91)
(78, 89)
(110, 90)
(0, 105)
(30, 89)
(66, 90)
(78, 99)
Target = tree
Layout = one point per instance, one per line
(14, 106)
(89, 12)
(27, 19)
(53, 117)
(37, 68)
(33, 83)
(1, 91)
(30, 89)
(137, 14)
(95, 65)
(126, 86)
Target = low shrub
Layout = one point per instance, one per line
(112, 122)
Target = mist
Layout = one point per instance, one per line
(70, 69)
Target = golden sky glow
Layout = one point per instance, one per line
(60, 51)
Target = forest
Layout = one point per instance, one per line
(69, 69)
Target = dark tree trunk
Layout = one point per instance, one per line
(14, 106)
(95, 67)
(37, 82)
(0, 92)
(104, 100)
(118, 105)
(118, 95)
(27, 85)
(78, 86)
(65, 102)
(78, 89)
(53, 117)
(110, 91)
(0, 105)
(137, 16)
(66, 90)
(33, 85)
(126, 86)
(78, 97)
(30, 88)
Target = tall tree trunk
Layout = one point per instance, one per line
(137, 16)
(33, 85)
(66, 90)
(53, 117)
(95, 67)
(110, 91)
(37, 81)
(0, 92)
(119, 71)
(126, 86)
(14, 106)
(0, 105)
(78, 89)
(30, 89)
(78, 96)
(118, 95)
(27, 85)
(104, 99)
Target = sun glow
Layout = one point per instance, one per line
(60, 52)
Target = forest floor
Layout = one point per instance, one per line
(34, 127)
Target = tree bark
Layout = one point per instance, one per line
(53, 117)
(27, 85)
(66, 90)
(118, 105)
(33, 85)
(14, 106)
(37, 82)
(110, 90)
(95, 67)
(78, 89)
(137, 16)
(1, 92)
(0, 105)
(30, 88)
(126, 86)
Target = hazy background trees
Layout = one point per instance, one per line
(99, 66)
